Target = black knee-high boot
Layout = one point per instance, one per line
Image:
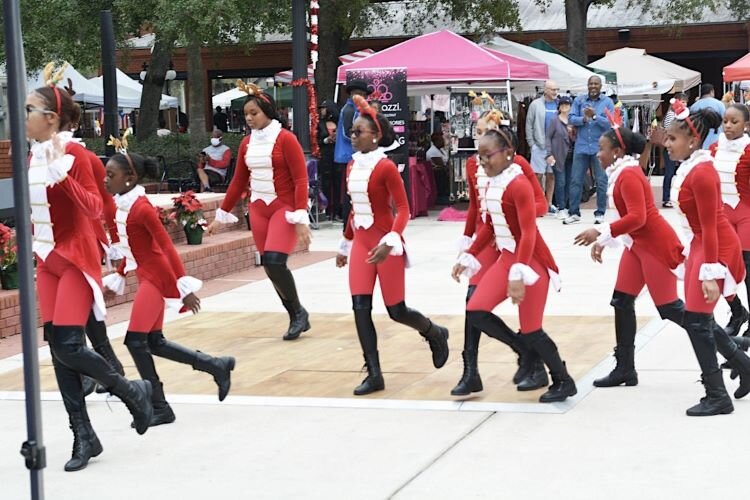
(700, 328)
(625, 328)
(674, 312)
(496, 328)
(739, 316)
(436, 335)
(137, 344)
(220, 368)
(277, 271)
(563, 385)
(736, 358)
(368, 339)
(86, 444)
(96, 331)
(746, 259)
(470, 380)
(69, 349)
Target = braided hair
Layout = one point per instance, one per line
(703, 120)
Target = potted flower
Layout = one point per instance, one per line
(188, 212)
(8, 258)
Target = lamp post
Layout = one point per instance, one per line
(299, 71)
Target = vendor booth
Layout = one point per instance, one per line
(446, 63)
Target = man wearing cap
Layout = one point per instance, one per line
(342, 154)
(540, 114)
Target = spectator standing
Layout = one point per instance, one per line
(669, 165)
(329, 117)
(589, 118)
(707, 100)
(221, 119)
(541, 112)
(558, 144)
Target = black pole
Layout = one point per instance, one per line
(110, 79)
(301, 123)
(33, 449)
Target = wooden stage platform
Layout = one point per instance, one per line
(326, 361)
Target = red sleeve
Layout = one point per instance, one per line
(471, 216)
(395, 186)
(522, 196)
(631, 190)
(485, 234)
(108, 202)
(239, 181)
(540, 201)
(705, 182)
(150, 220)
(295, 160)
(224, 162)
(81, 188)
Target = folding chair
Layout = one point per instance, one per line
(317, 202)
(180, 176)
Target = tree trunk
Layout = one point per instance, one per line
(196, 75)
(332, 42)
(575, 21)
(148, 120)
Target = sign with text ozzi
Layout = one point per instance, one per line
(388, 87)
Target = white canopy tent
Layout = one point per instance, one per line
(129, 92)
(85, 91)
(225, 99)
(639, 74)
(568, 75)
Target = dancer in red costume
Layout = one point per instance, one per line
(373, 244)
(732, 160)
(147, 248)
(64, 198)
(714, 265)
(271, 162)
(523, 271)
(652, 248)
(476, 179)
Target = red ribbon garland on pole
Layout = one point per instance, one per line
(312, 107)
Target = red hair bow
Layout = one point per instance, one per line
(683, 113)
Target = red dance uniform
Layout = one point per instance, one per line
(715, 251)
(65, 245)
(653, 248)
(271, 161)
(525, 256)
(732, 161)
(477, 180)
(374, 185)
(148, 250)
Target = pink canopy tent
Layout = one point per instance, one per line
(286, 76)
(445, 57)
(738, 70)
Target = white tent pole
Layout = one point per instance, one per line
(336, 93)
(510, 100)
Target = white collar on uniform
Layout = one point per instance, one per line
(736, 145)
(125, 201)
(39, 149)
(269, 133)
(370, 159)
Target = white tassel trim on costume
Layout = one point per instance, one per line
(297, 217)
(225, 217)
(464, 243)
(606, 239)
(58, 170)
(471, 264)
(393, 240)
(715, 271)
(345, 247)
(115, 282)
(524, 273)
(187, 285)
(114, 253)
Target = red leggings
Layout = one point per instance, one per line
(739, 218)
(271, 231)
(65, 297)
(638, 267)
(486, 257)
(493, 290)
(362, 275)
(694, 301)
(148, 309)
